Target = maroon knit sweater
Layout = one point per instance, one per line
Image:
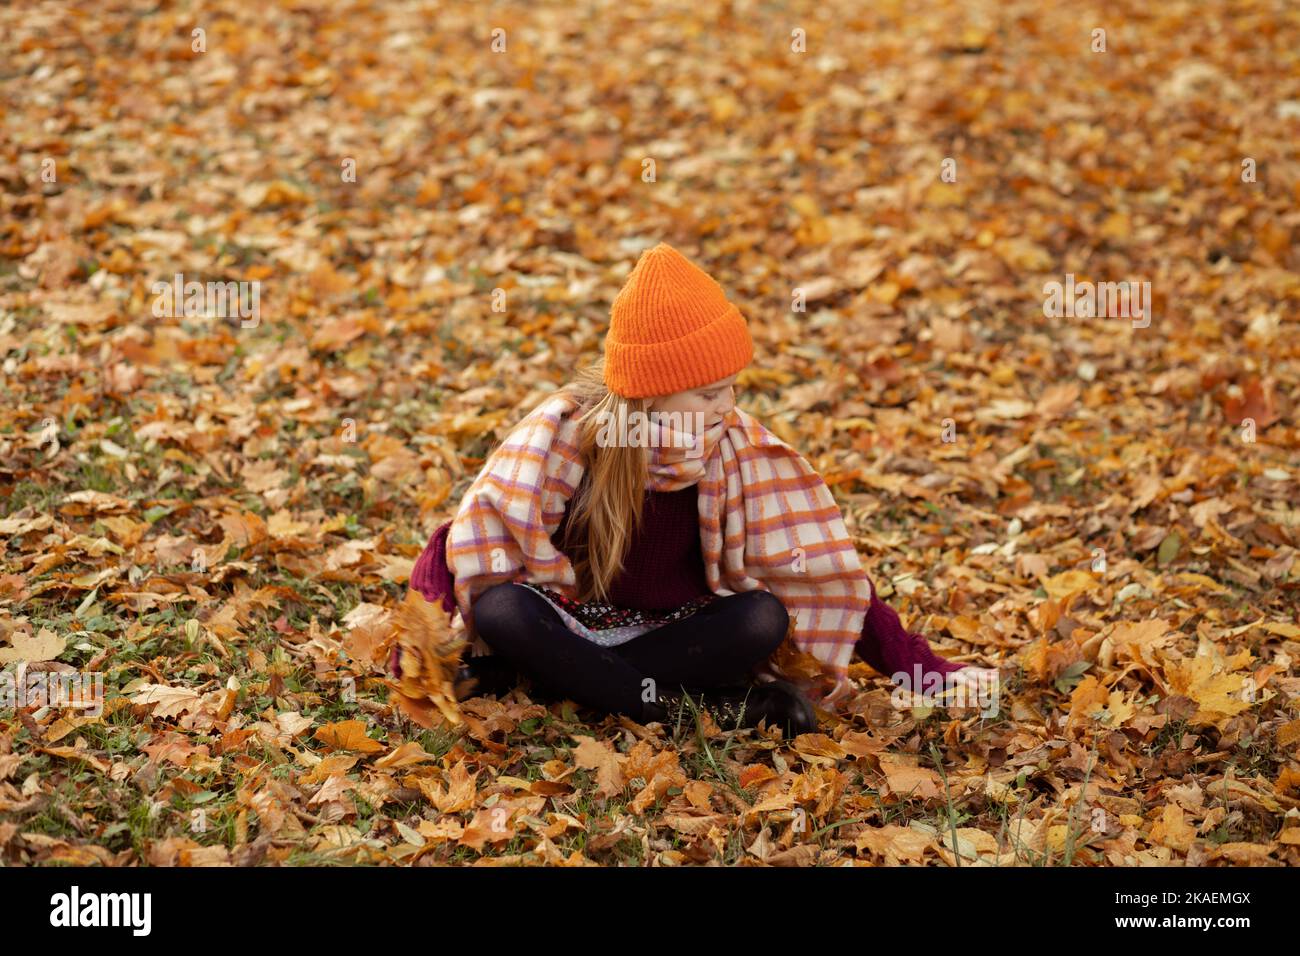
(664, 568)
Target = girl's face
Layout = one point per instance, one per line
(713, 401)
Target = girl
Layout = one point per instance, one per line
(638, 537)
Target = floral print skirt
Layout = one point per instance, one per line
(608, 625)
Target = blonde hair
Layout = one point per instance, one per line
(607, 504)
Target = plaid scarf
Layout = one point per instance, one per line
(767, 520)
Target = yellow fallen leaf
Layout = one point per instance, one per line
(75, 753)
(597, 755)
(332, 789)
(64, 726)
(1056, 837)
(659, 769)
(331, 765)
(1288, 734)
(1287, 780)
(292, 723)
(1172, 830)
(167, 701)
(895, 844)
(348, 735)
(1117, 710)
(436, 831)
(1063, 585)
(405, 755)
(723, 107)
(906, 779)
(818, 749)
(1116, 226)
(1200, 581)
(1086, 699)
(44, 646)
(1218, 695)
(283, 525)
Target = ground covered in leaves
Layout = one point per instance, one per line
(218, 517)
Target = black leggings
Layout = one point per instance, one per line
(717, 645)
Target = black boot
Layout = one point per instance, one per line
(780, 702)
(485, 675)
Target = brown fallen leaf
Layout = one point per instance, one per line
(1258, 402)
(75, 753)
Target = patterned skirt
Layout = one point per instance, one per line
(608, 625)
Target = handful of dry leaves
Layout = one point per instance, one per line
(789, 662)
(425, 662)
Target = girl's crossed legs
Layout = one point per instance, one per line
(719, 644)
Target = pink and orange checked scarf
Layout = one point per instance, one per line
(767, 520)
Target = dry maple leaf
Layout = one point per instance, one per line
(1258, 404)
(348, 735)
(599, 755)
(1220, 690)
(428, 654)
(167, 701)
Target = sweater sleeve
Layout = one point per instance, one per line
(431, 576)
(895, 652)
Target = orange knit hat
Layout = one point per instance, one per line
(671, 328)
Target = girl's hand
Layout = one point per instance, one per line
(842, 689)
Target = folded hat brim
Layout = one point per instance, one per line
(699, 358)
